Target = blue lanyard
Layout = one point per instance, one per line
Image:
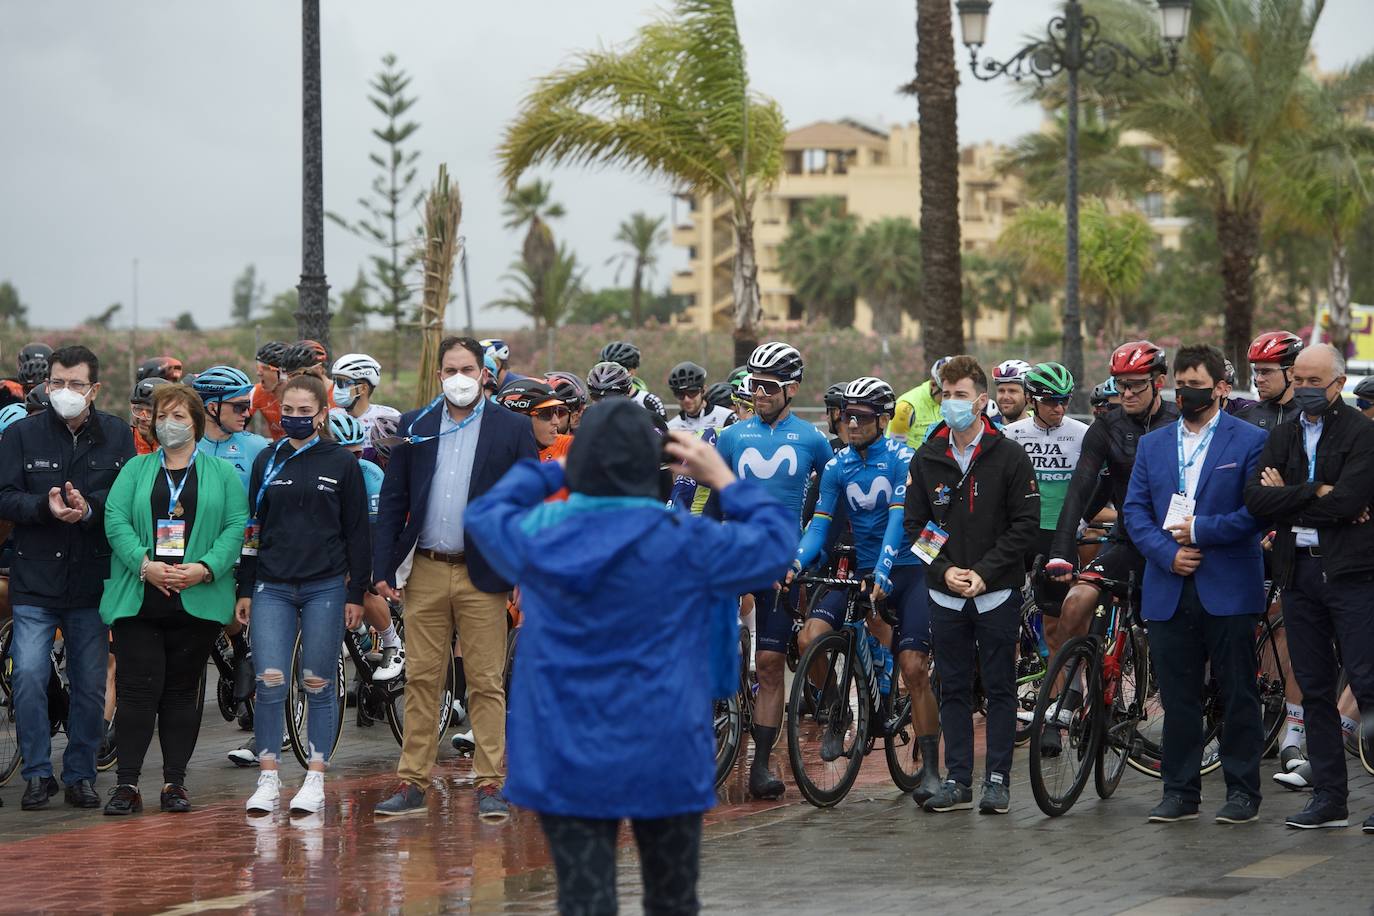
(416, 440)
(1201, 447)
(173, 489)
(1312, 458)
(274, 469)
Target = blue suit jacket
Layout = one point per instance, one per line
(504, 439)
(1230, 580)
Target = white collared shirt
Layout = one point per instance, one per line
(1201, 440)
(1311, 435)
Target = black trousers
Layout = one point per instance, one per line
(1180, 649)
(960, 639)
(584, 851)
(159, 663)
(1319, 615)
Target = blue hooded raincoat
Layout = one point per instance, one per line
(610, 706)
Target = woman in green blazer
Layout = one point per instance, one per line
(175, 521)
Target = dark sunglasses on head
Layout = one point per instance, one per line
(765, 386)
(548, 414)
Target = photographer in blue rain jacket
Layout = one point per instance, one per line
(610, 708)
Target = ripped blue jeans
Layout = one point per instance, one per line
(315, 609)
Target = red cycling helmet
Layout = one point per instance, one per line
(1136, 357)
(1280, 347)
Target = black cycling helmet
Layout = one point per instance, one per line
(1103, 393)
(37, 398)
(142, 395)
(526, 395)
(834, 396)
(569, 387)
(34, 361)
(618, 351)
(300, 355)
(719, 395)
(686, 376)
(167, 367)
(383, 427)
(870, 392)
(607, 378)
(270, 353)
(1364, 390)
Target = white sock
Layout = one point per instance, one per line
(389, 638)
(1348, 726)
(1294, 735)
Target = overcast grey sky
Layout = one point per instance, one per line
(169, 130)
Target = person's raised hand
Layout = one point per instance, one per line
(693, 457)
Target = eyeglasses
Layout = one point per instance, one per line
(1265, 371)
(549, 414)
(765, 387)
(140, 410)
(1134, 386)
(57, 384)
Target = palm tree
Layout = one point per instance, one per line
(1241, 88)
(937, 79)
(530, 205)
(545, 296)
(1324, 183)
(1105, 168)
(1115, 253)
(888, 258)
(817, 259)
(675, 103)
(642, 235)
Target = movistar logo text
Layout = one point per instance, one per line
(861, 499)
(753, 462)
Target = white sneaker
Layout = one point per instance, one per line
(460, 715)
(310, 799)
(392, 663)
(264, 799)
(463, 743)
(245, 756)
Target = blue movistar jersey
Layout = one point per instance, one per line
(780, 457)
(873, 487)
(687, 494)
(372, 481)
(239, 450)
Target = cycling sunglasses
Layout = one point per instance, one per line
(858, 416)
(549, 414)
(686, 392)
(765, 387)
(238, 407)
(1054, 401)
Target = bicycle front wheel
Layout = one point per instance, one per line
(297, 717)
(1273, 680)
(1063, 740)
(826, 744)
(1128, 689)
(9, 739)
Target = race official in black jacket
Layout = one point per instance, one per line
(972, 496)
(1316, 485)
(306, 560)
(56, 469)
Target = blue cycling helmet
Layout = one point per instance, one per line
(220, 383)
(346, 428)
(11, 412)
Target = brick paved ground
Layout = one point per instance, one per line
(874, 853)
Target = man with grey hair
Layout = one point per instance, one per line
(1315, 484)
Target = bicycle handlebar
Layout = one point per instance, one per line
(834, 583)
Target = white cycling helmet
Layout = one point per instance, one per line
(780, 360)
(870, 392)
(359, 366)
(935, 369)
(1011, 370)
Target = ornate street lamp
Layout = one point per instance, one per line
(1073, 44)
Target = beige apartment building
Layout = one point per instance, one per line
(877, 174)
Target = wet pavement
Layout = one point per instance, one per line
(873, 853)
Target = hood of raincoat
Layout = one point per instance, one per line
(588, 534)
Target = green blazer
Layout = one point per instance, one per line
(216, 536)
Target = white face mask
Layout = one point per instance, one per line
(461, 390)
(67, 403)
(343, 394)
(174, 434)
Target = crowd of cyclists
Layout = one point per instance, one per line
(845, 484)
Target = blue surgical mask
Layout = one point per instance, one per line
(958, 414)
(298, 428)
(343, 394)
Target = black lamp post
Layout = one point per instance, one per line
(1072, 44)
(312, 315)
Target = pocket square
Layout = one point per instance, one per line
(1227, 467)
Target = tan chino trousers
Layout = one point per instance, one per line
(441, 600)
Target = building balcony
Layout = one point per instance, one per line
(686, 235)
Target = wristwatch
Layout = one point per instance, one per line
(209, 573)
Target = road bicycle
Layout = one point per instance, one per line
(842, 700)
(379, 699)
(733, 717)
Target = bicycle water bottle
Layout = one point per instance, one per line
(1039, 627)
(882, 660)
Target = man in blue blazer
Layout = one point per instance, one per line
(457, 448)
(1204, 585)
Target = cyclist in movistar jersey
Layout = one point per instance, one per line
(356, 378)
(1010, 378)
(687, 381)
(780, 451)
(869, 479)
(1052, 440)
(348, 431)
(227, 393)
(918, 409)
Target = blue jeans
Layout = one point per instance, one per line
(87, 642)
(281, 610)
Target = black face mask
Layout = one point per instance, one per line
(1194, 402)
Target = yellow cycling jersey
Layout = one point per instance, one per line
(915, 412)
